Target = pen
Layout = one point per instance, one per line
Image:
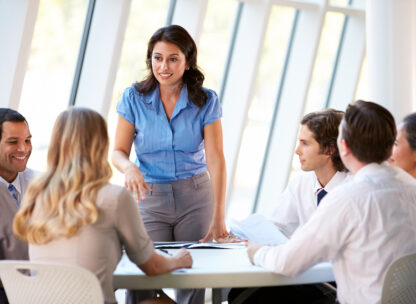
(165, 251)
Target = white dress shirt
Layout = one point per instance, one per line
(362, 226)
(16, 183)
(299, 200)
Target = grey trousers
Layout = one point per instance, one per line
(179, 211)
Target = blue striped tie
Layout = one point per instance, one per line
(320, 195)
(14, 194)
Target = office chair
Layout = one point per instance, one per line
(399, 285)
(27, 282)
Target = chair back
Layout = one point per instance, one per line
(27, 282)
(400, 282)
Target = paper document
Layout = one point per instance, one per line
(256, 228)
(197, 245)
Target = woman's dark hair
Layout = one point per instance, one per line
(409, 125)
(369, 130)
(193, 77)
(324, 126)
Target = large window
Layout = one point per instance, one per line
(259, 115)
(50, 70)
(324, 63)
(215, 40)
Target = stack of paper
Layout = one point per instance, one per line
(256, 228)
(197, 245)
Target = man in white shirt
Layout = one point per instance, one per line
(15, 150)
(323, 171)
(363, 225)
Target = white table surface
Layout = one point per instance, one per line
(215, 268)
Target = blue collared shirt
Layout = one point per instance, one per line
(168, 150)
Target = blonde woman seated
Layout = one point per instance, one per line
(72, 215)
(404, 149)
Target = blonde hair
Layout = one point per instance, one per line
(77, 167)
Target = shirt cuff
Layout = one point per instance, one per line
(260, 254)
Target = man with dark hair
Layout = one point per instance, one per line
(322, 166)
(323, 171)
(363, 225)
(15, 149)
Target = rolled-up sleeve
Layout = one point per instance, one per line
(139, 246)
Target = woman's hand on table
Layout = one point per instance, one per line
(183, 258)
(218, 232)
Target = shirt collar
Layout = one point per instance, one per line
(15, 183)
(370, 171)
(153, 99)
(183, 101)
(338, 178)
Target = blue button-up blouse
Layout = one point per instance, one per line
(168, 150)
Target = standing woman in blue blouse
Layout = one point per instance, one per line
(175, 125)
(171, 119)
